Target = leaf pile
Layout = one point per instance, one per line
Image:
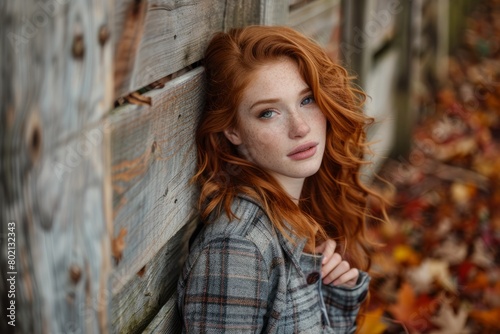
(439, 268)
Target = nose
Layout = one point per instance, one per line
(298, 126)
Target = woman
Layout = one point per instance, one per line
(280, 144)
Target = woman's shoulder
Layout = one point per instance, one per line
(249, 223)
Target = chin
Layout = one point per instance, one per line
(307, 172)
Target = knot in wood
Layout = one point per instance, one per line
(104, 34)
(78, 47)
(75, 273)
(34, 137)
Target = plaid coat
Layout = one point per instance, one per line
(243, 276)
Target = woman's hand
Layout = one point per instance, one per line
(334, 270)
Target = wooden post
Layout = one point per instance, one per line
(55, 194)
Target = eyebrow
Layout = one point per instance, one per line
(302, 92)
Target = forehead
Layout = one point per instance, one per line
(274, 80)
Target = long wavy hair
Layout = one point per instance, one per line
(333, 202)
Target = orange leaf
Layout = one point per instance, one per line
(412, 311)
(372, 322)
(488, 318)
(480, 282)
(405, 254)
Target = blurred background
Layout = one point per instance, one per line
(99, 105)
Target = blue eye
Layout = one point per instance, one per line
(266, 114)
(307, 100)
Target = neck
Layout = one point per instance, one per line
(292, 186)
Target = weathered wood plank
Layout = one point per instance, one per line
(317, 20)
(143, 296)
(273, 12)
(153, 160)
(240, 13)
(154, 39)
(167, 320)
(56, 84)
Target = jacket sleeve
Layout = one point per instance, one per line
(225, 289)
(342, 303)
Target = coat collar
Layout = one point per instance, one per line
(293, 245)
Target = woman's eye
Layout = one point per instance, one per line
(307, 100)
(266, 114)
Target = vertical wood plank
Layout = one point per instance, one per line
(274, 12)
(56, 86)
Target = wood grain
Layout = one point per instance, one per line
(153, 286)
(153, 159)
(170, 36)
(274, 12)
(317, 20)
(56, 84)
(167, 320)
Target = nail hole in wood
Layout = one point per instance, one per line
(153, 147)
(175, 36)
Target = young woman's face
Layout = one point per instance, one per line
(281, 128)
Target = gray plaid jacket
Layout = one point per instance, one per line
(243, 276)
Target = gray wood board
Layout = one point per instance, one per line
(57, 72)
(154, 39)
(152, 163)
(151, 288)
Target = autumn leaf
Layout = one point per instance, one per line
(138, 99)
(481, 256)
(405, 254)
(450, 322)
(480, 282)
(372, 322)
(488, 318)
(431, 271)
(452, 251)
(412, 311)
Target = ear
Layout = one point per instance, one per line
(233, 136)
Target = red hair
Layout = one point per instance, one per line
(333, 202)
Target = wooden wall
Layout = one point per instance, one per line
(100, 100)
(56, 60)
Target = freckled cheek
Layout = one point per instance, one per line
(263, 143)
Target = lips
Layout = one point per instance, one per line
(303, 151)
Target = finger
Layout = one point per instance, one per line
(348, 279)
(340, 269)
(327, 248)
(329, 267)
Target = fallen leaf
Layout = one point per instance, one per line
(488, 318)
(481, 256)
(412, 311)
(405, 254)
(452, 251)
(449, 321)
(372, 322)
(430, 271)
(479, 282)
(138, 99)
